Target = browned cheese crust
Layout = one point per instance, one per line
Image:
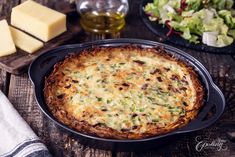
(109, 92)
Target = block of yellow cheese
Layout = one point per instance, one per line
(25, 41)
(38, 20)
(7, 45)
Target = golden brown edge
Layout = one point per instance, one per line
(106, 132)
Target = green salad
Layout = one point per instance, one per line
(211, 22)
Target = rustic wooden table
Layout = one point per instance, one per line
(222, 68)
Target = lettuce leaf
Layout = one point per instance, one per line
(152, 10)
(224, 40)
(228, 18)
(212, 21)
(232, 33)
(222, 4)
(194, 4)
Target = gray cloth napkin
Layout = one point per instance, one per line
(16, 137)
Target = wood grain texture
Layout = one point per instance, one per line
(60, 144)
(221, 68)
(21, 94)
(18, 63)
(6, 5)
(4, 81)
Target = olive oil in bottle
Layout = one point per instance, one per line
(102, 16)
(102, 22)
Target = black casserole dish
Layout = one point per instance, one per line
(43, 66)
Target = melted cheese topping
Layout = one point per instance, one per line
(126, 90)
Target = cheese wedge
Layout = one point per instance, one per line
(24, 41)
(7, 45)
(40, 21)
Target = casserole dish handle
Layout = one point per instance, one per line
(39, 67)
(209, 114)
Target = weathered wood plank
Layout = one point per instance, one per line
(222, 70)
(18, 62)
(6, 5)
(60, 144)
(54, 3)
(21, 94)
(221, 67)
(4, 81)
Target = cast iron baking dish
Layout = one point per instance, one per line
(43, 65)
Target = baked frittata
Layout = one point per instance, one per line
(124, 92)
